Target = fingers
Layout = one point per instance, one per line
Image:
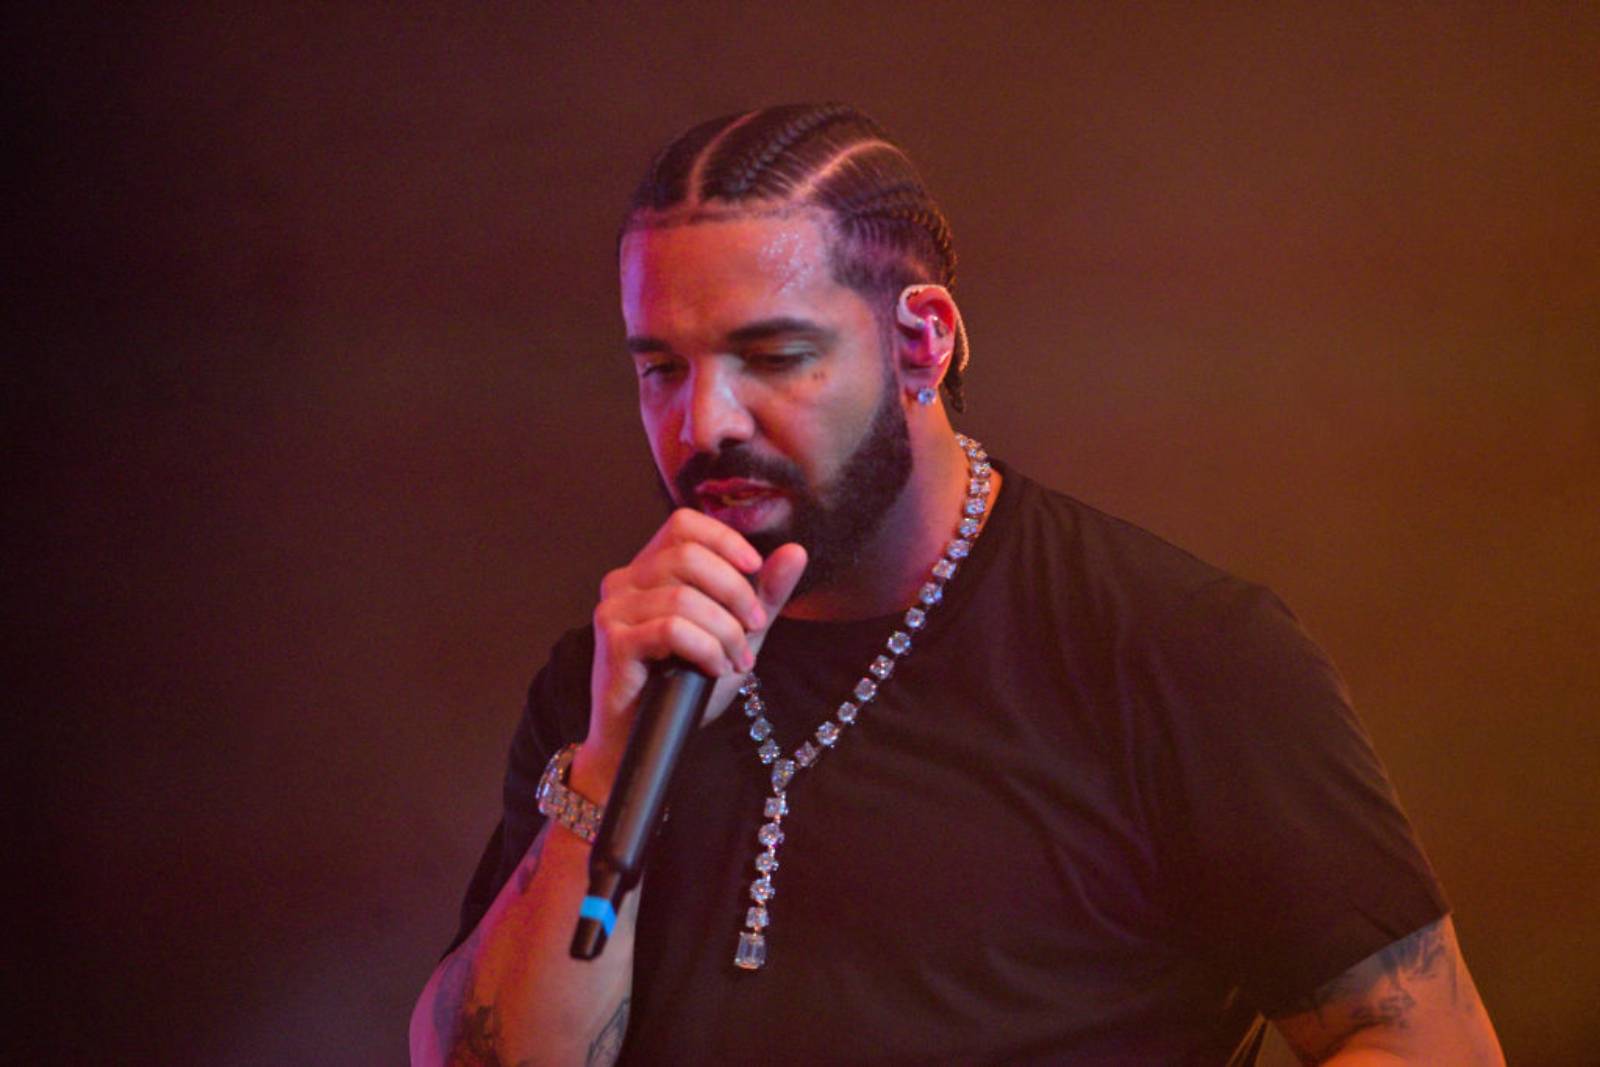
(698, 591)
(676, 620)
(695, 565)
(688, 594)
(667, 636)
(779, 575)
(689, 526)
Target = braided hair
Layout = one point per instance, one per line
(888, 231)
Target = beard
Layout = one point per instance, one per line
(834, 525)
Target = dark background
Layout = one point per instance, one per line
(320, 431)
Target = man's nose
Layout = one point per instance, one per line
(716, 415)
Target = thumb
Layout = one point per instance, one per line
(774, 585)
(779, 574)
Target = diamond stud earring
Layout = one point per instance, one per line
(927, 395)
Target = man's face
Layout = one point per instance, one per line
(764, 385)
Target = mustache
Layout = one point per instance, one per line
(734, 463)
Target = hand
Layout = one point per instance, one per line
(688, 593)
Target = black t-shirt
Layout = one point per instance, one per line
(1112, 804)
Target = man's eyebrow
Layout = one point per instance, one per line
(640, 346)
(766, 329)
(761, 330)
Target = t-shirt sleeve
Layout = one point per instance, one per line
(556, 713)
(1292, 854)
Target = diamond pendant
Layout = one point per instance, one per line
(752, 951)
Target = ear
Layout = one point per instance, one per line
(928, 321)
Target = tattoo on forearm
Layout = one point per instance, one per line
(607, 1045)
(451, 995)
(470, 1030)
(480, 1036)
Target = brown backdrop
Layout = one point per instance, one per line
(321, 431)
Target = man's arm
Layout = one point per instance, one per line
(1412, 1002)
(511, 994)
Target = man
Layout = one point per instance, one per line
(1004, 779)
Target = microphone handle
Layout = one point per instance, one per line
(670, 707)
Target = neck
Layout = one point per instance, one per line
(896, 561)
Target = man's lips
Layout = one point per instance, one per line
(720, 493)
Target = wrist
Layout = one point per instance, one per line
(560, 800)
(594, 769)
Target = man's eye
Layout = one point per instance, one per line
(777, 361)
(659, 368)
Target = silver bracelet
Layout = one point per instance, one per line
(567, 806)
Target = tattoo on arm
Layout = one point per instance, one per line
(480, 1039)
(1374, 993)
(607, 1045)
(472, 1030)
(478, 1042)
(450, 997)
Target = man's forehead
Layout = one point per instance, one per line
(781, 249)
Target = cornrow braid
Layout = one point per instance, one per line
(888, 232)
(741, 176)
(905, 208)
(666, 183)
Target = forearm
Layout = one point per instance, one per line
(510, 993)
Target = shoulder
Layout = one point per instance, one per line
(1171, 644)
(1121, 575)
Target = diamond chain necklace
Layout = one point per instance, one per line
(752, 951)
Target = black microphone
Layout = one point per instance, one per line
(670, 707)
